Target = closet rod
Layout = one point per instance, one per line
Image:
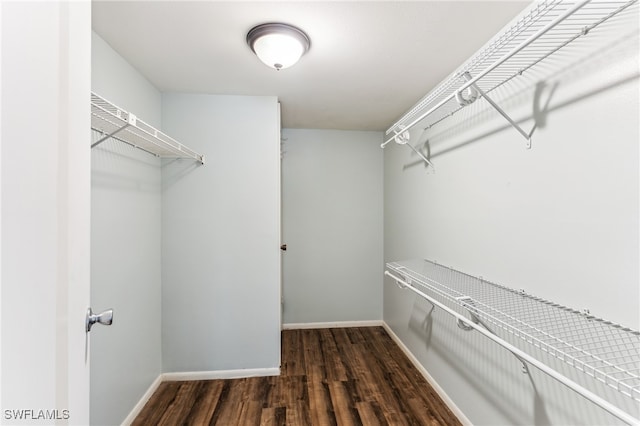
(496, 64)
(625, 417)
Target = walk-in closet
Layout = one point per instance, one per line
(421, 213)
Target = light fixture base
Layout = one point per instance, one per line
(278, 45)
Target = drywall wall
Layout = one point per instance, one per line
(113, 78)
(125, 247)
(332, 225)
(221, 235)
(559, 221)
(45, 60)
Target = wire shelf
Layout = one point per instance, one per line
(544, 29)
(114, 122)
(608, 352)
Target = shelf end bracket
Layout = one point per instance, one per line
(107, 136)
(515, 125)
(403, 137)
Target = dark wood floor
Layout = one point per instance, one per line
(339, 376)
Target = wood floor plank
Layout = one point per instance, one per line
(292, 356)
(355, 335)
(385, 394)
(257, 389)
(358, 369)
(285, 390)
(369, 415)
(406, 376)
(154, 409)
(314, 362)
(205, 402)
(345, 410)
(333, 364)
(320, 406)
(295, 389)
(250, 413)
(226, 411)
(366, 374)
(298, 414)
(422, 412)
(393, 376)
(180, 406)
(341, 376)
(273, 416)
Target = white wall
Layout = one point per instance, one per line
(221, 235)
(559, 220)
(113, 78)
(45, 210)
(332, 225)
(125, 247)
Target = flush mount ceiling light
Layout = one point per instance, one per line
(278, 45)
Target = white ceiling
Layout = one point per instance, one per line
(369, 61)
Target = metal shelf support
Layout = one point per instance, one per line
(109, 135)
(463, 102)
(402, 138)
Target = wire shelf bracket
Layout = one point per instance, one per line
(604, 351)
(114, 122)
(546, 27)
(474, 91)
(403, 138)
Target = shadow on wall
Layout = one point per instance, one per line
(421, 323)
(474, 357)
(116, 165)
(481, 355)
(421, 320)
(537, 87)
(425, 149)
(540, 416)
(176, 169)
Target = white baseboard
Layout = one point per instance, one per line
(220, 374)
(337, 324)
(140, 405)
(452, 406)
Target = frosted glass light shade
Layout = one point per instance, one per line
(279, 46)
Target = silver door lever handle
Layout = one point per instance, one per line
(104, 318)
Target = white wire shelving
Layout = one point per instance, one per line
(114, 122)
(605, 351)
(544, 29)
